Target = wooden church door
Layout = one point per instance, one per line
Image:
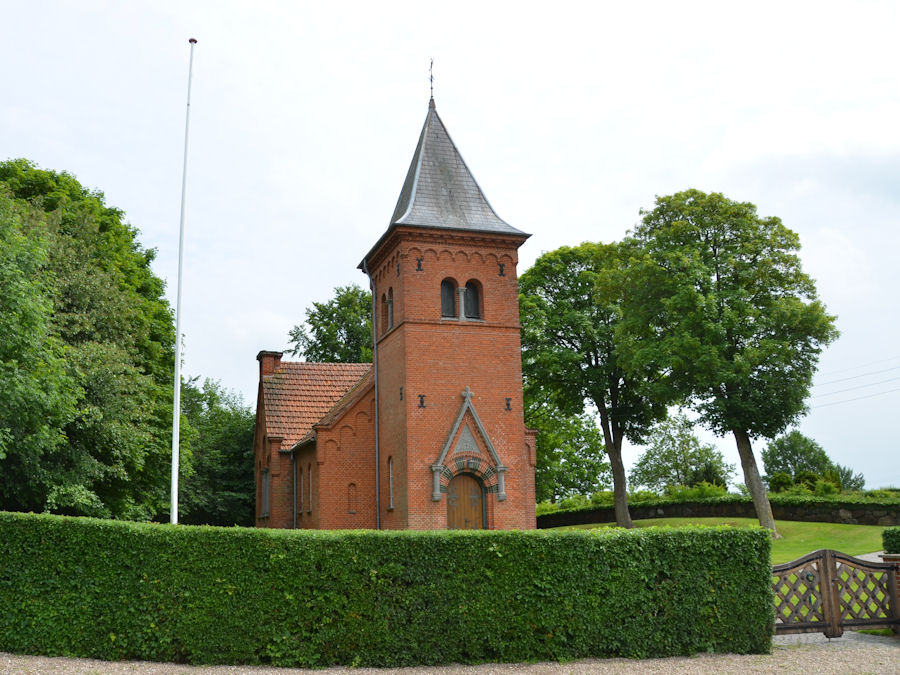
(465, 503)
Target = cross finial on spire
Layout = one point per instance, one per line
(431, 78)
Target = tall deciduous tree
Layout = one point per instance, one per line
(719, 302)
(675, 456)
(339, 330)
(37, 396)
(570, 303)
(221, 489)
(793, 453)
(570, 453)
(109, 312)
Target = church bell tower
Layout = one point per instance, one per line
(452, 447)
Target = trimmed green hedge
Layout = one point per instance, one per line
(839, 501)
(846, 508)
(891, 538)
(115, 590)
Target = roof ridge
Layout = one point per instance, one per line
(300, 393)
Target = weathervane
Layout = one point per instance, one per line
(431, 77)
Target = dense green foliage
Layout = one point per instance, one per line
(221, 488)
(718, 301)
(711, 494)
(847, 479)
(570, 305)
(37, 395)
(891, 539)
(675, 456)
(339, 330)
(88, 356)
(793, 453)
(294, 598)
(804, 462)
(570, 453)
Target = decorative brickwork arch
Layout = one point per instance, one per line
(468, 456)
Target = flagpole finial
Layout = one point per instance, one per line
(193, 41)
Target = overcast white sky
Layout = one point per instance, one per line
(572, 117)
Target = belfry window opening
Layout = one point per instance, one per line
(448, 299)
(473, 300)
(390, 308)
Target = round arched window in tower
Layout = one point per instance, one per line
(448, 298)
(473, 300)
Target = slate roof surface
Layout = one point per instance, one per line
(298, 395)
(440, 191)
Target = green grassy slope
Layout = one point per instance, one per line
(797, 538)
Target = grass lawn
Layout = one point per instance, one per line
(797, 539)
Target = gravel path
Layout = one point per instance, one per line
(802, 655)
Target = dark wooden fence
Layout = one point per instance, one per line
(827, 591)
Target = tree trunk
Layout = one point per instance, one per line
(754, 482)
(620, 489)
(614, 450)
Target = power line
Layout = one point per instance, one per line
(861, 386)
(858, 398)
(856, 377)
(861, 365)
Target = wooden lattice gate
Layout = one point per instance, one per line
(827, 591)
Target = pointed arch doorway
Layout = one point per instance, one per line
(465, 503)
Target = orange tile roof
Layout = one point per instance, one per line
(299, 394)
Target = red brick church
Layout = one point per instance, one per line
(431, 435)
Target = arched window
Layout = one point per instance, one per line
(473, 300)
(300, 496)
(390, 483)
(264, 494)
(448, 298)
(383, 314)
(390, 309)
(351, 498)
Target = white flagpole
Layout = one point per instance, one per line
(176, 404)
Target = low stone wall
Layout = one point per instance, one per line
(859, 514)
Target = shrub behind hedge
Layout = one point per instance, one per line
(864, 510)
(891, 538)
(115, 590)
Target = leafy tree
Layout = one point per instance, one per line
(780, 481)
(847, 479)
(118, 338)
(221, 489)
(339, 330)
(675, 456)
(806, 479)
(793, 453)
(805, 461)
(570, 304)
(37, 396)
(718, 301)
(570, 453)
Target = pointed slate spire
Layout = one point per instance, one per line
(440, 191)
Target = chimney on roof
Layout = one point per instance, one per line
(268, 362)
